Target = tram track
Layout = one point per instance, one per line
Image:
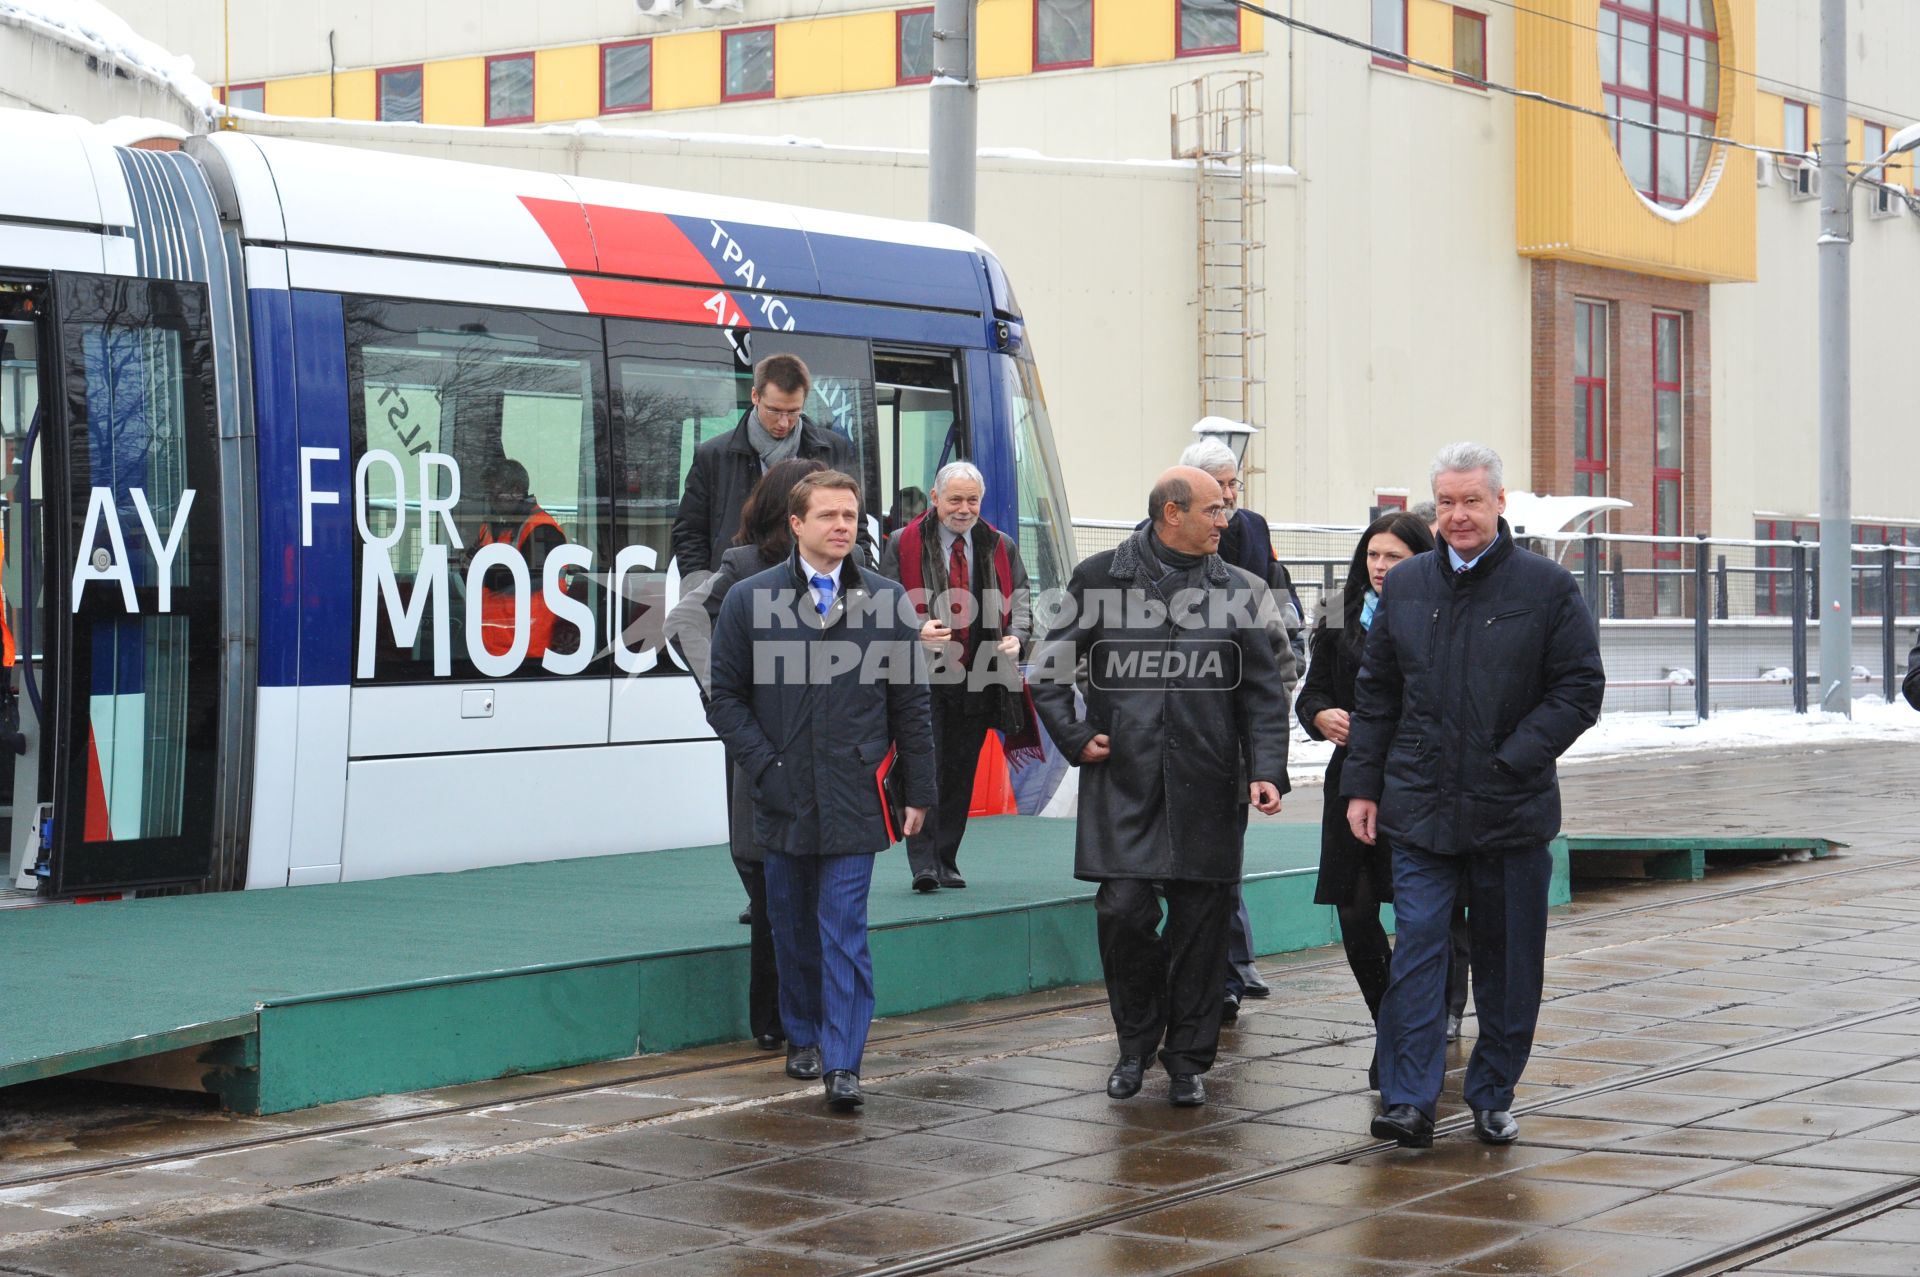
(936, 1261)
(745, 1058)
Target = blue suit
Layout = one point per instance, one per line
(808, 705)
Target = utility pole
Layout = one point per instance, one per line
(953, 130)
(1836, 373)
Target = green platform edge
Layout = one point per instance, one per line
(327, 1042)
(1682, 859)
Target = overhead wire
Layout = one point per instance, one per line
(1524, 95)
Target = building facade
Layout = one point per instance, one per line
(1622, 310)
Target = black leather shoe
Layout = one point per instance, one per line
(953, 882)
(924, 883)
(768, 1041)
(843, 1091)
(1229, 1009)
(746, 917)
(803, 1062)
(1495, 1126)
(1124, 1082)
(1186, 1091)
(1405, 1125)
(1254, 989)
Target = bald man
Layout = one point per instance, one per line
(1185, 727)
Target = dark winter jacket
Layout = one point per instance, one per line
(1910, 686)
(1331, 667)
(1247, 543)
(724, 470)
(1168, 803)
(987, 629)
(690, 630)
(810, 727)
(1470, 687)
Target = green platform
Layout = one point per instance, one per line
(284, 999)
(1678, 859)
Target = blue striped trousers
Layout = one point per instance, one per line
(818, 908)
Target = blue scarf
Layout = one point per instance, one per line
(1367, 608)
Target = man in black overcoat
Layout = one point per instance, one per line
(1481, 667)
(1186, 724)
(726, 467)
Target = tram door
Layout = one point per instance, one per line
(131, 523)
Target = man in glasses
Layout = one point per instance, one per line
(726, 467)
(1186, 725)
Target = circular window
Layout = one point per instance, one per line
(1660, 66)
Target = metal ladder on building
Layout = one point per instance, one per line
(1216, 123)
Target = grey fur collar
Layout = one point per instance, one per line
(1133, 555)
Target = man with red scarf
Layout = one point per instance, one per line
(970, 589)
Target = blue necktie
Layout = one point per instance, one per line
(823, 586)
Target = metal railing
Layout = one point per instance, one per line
(1685, 622)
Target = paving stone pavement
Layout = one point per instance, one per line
(1709, 1072)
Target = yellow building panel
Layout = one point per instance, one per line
(454, 91)
(686, 70)
(353, 95)
(1253, 32)
(1856, 145)
(304, 95)
(1430, 36)
(1005, 39)
(807, 58)
(1769, 119)
(1126, 32)
(1574, 201)
(868, 52)
(566, 83)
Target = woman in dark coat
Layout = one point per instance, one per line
(1354, 878)
(764, 539)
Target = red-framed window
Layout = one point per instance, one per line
(1669, 453)
(913, 46)
(1660, 67)
(1390, 33)
(626, 76)
(246, 97)
(1773, 588)
(1206, 26)
(746, 72)
(1869, 594)
(1469, 48)
(1794, 119)
(1389, 500)
(399, 94)
(1873, 145)
(510, 89)
(1062, 34)
(1590, 405)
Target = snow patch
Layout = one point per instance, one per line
(89, 26)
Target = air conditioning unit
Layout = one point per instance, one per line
(1763, 170)
(1802, 182)
(1889, 201)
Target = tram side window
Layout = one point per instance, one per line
(674, 387)
(916, 395)
(475, 432)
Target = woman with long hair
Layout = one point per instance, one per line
(1354, 878)
(764, 540)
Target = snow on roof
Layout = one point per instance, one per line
(1546, 515)
(90, 26)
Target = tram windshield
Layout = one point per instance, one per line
(1046, 532)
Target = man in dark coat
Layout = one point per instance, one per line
(1186, 724)
(726, 467)
(1482, 666)
(971, 592)
(1910, 686)
(816, 681)
(1247, 542)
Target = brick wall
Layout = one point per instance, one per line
(1631, 300)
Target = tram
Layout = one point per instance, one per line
(257, 401)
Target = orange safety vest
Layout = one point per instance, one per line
(6, 625)
(496, 607)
